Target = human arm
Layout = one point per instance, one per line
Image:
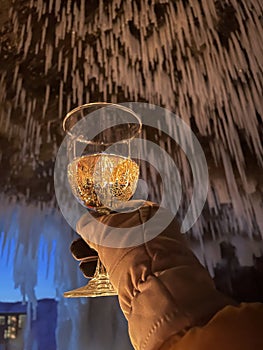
(163, 290)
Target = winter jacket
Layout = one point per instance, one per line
(232, 328)
(167, 296)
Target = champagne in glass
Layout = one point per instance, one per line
(100, 181)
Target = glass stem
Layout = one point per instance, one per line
(100, 269)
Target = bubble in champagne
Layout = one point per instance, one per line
(101, 181)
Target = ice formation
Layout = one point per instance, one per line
(200, 60)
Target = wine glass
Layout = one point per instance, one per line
(101, 173)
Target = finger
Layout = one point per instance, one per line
(80, 249)
(88, 268)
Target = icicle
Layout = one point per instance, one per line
(49, 54)
(46, 101)
(60, 98)
(57, 6)
(202, 78)
(65, 70)
(60, 60)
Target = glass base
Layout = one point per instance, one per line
(97, 287)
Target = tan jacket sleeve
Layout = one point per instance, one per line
(232, 328)
(162, 288)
